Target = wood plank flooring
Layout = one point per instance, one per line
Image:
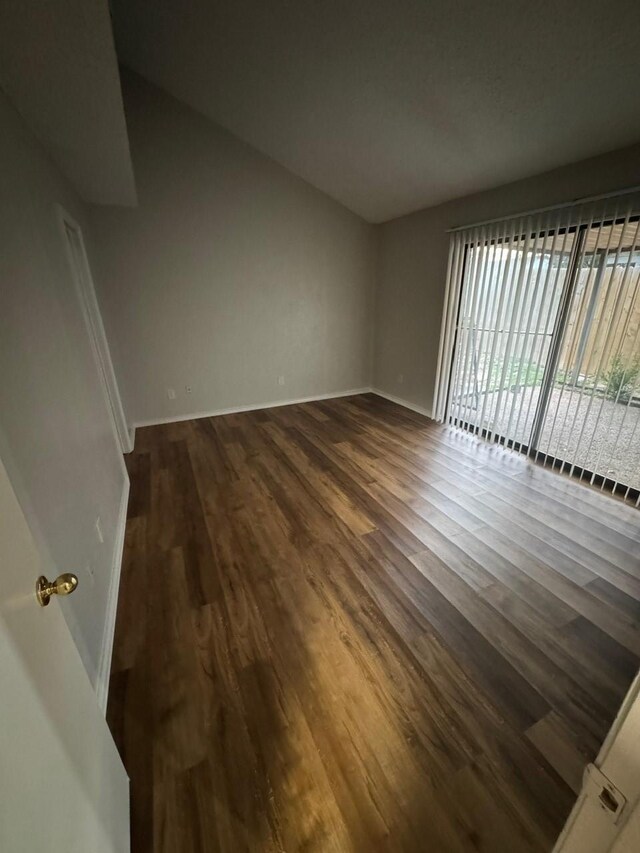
(343, 627)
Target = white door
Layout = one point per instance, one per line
(606, 816)
(63, 788)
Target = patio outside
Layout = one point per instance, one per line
(596, 433)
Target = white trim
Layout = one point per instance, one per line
(446, 367)
(251, 408)
(104, 664)
(93, 320)
(589, 828)
(444, 351)
(414, 408)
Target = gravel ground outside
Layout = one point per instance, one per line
(592, 432)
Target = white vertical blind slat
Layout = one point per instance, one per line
(505, 279)
(544, 315)
(471, 364)
(552, 413)
(511, 324)
(533, 321)
(485, 313)
(466, 315)
(613, 330)
(636, 341)
(530, 335)
(444, 348)
(468, 271)
(591, 397)
(556, 284)
(505, 320)
(521, 333)
(504, 240)
(576, 331)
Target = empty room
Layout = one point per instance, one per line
(319, 426)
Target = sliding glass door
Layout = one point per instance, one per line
(511, 296)
(546, 344)
(591, 417)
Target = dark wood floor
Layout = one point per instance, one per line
(343, 627)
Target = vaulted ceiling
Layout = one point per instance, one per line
(393, 105)
(58, 65)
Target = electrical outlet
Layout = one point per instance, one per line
(99, 532)
(401, 378)
(171, 394)
(187, 388)
(280, 380)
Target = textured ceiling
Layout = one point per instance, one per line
(58, 66)
(393, 105)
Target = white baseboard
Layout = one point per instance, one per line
(104, 665)
(419, 409)
(252, 408)
(131, 436)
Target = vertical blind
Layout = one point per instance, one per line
(540, 344)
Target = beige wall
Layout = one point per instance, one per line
(412, 265)
(56, 437)
(229, 274)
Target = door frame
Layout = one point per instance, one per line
(83, 280)
(591, 827)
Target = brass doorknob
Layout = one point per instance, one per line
(62, 585)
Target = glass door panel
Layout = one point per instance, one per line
(512, 292)
(591, 419)
(547, 347)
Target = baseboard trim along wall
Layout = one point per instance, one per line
(252, 408)
(419, 409)
(104, 665)
(257, 406)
